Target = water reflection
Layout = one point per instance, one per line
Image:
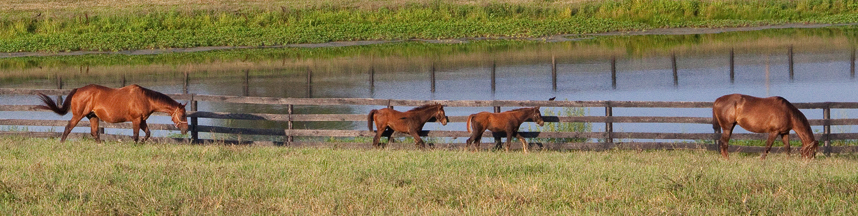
(638, 68)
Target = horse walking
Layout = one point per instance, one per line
(507, 122)
(773, 115)
(410, 122)
(130, 103)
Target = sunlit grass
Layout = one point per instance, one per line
(42, 176)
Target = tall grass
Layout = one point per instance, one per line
(42, 176)
(165, 27)
(563, 126)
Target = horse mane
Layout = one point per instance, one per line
(789, 106)
(427, 106)
(158, 96)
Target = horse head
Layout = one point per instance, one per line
(810, 150)
(440, 115)
(180, 118)
(537, 116)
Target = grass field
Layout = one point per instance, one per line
(42, 176)
(43, 25)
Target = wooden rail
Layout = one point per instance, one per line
(608, 139)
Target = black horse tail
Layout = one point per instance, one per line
(369, 119)
(51, 105)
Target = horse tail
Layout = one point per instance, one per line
(469, 122)
(715, 125)
(51, 105)
(369, 119)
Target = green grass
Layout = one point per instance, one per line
(168, 27)
(42, 176)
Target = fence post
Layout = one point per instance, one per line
(494, 67)
(826, 134)
(185, 82)
(554, 73)
(195, 133)
(675, 70)
(852, 63)
(609, 123)
(246, 83)
(791, 70)
(732, 66)
(60, 86)
(289, 137)
(614, 72)
(433, 77)
(309, 83)
(371, 80)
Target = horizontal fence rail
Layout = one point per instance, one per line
(608, 139)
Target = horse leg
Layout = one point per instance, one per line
(135, 126)
(474, 139)
(498, 143)
(72, 123)
(524, 145)
(785, 138)
(145, 128)
(417, 141)
(93, 122)
(477, 137)
(390, 138)
(724, 142)
(377, 138)
(769, 143)
(508, 140)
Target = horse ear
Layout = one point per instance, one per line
(537, 108)
(184, 104)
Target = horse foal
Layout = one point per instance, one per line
(410, 122)
(507, 122)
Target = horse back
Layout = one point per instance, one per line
(495, 122)
(111, 104)
(760, 115)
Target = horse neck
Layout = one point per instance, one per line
(802, 128)
(523, 115)
(426, 114)
(164, 106)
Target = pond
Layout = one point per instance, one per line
(801, 65)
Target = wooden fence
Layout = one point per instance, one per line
(608, 139)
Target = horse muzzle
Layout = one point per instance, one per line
(183, 127)
(540, 123)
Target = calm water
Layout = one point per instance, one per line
(644, 72)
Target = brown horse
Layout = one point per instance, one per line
(773, 115)
(410, 122)
(507, 122)
(130, 103)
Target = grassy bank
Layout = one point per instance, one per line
(140, 25)
(39, 176)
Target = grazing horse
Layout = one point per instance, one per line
(507, 122)
(410, 122)
(772, 115)
(130, 103)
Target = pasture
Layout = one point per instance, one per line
(42, 176)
